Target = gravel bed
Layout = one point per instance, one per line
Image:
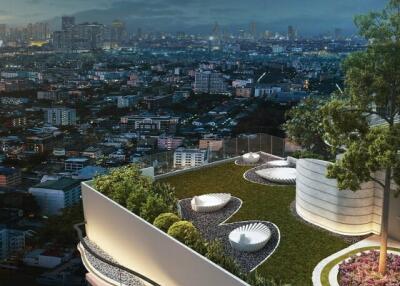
(108, 270)
(251, 176)
(347, 238)
(212, 227)
(264, 158)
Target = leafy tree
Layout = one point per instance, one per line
(165, 220)
(304, 125)
(372, 91)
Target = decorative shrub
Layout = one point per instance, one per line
(166, 192)
(165, 220)
(306, 154)
(362, 269)
(120, 182)
(215, 252)
(153, 206)
(128, 187)
(254, 279)
(136, 199)
(186, 232)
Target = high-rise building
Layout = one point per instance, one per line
(209, 82)
(338, 33)
(84, 36)
(38, 31)
(88, 36)
(117, 33)
(60, 116)
(67, 22)
(3, 31)
(291, 35)
(253, 30)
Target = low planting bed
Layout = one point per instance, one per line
(366, 274)
(362, 269)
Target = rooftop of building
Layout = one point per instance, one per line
(63, 184)
(6, 171)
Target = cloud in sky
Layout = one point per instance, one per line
(307, 15)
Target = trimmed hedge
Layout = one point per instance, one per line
(187, 233)
(165, 220)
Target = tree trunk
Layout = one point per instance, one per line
(385, 222)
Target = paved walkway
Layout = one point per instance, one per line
(373, 240)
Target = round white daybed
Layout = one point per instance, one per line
(250, 237)
(285, 176)
(251, 158)
(210, 202)
(278, 164)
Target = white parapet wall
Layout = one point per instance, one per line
(319, 201)
(139, 246)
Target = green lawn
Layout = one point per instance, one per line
(301, 246)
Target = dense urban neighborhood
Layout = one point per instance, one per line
(115, 137)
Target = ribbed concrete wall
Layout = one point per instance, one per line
(139, 246)
(319, 201)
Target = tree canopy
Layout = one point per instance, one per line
(372, 94)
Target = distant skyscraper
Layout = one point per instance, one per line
(117, 33)
(338, 33)
(253, 30)
(291, 33)
(67, 22)
(139, 33)
(3, 31)
(38, 31)
(216, 31)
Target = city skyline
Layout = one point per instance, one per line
(193, 16)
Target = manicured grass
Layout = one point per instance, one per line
(301, 247)
(330, 265)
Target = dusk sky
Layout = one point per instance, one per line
(308, 16)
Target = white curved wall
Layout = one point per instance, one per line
(140, 246)
(319, 201)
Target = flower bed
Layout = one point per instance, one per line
(362, 269)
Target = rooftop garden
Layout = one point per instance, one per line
(301, 247)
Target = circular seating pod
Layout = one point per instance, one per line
(285, 176)
(278, 164)
(210, 202)
(251, 158)
(250, 237)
